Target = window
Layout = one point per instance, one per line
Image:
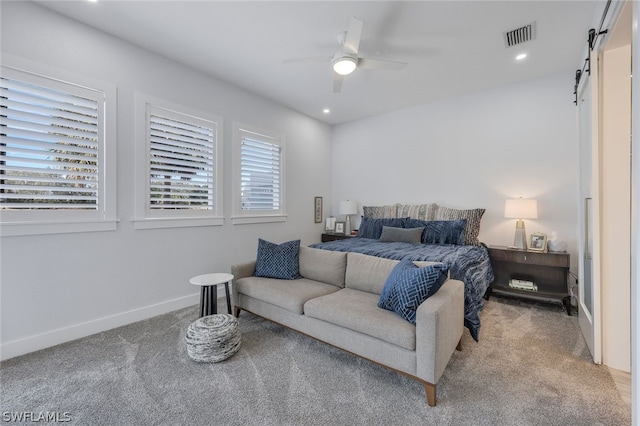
(180, 174)
(259, 176)
(52, 156)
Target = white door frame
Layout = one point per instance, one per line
(635, 222)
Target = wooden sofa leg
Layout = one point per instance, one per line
(236, 311)
(459, 347)
(430, 390)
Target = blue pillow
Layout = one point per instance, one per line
(407, 286)
(372, 228)
(440, 231)
(278, 261)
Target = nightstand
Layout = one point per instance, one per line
(548, 271)
(333, 237)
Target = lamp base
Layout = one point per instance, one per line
(520, 239)
(347, 226)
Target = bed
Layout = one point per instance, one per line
(450, 237)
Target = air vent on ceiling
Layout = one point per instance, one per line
(520, 35)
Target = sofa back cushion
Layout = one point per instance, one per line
(323, 265)
(367, 273)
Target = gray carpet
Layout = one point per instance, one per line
(531, 367)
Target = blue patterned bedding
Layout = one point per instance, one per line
(469, 264)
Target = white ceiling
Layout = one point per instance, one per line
(452, 47)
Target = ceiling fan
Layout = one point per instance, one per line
(346, 60)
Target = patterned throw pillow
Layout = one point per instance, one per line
(379, 212)
(440, 231)
(278, 260)
(372, 228)
(417, 211)
(473, 217)
(402, 235)
(407, 286)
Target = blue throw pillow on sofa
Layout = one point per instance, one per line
(408, 285)
(278, 260)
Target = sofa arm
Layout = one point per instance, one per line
(439, 328)
(241, 270)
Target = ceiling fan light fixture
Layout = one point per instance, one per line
(344, 65)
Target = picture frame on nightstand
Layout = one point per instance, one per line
(339, 228)
(330, 225)
(538, 242)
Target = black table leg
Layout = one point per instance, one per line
(207, 311)
(487, 294)
(214, 300)
(226, 289)
(202, 291)
(567, 304)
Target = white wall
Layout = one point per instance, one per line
(472, 151)
(59, 287)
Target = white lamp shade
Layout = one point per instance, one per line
(520, 208)
(348, 207)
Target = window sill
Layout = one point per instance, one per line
(242, 220)
(178, 222)
(15, 229)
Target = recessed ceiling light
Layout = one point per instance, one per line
(521, 56)
(326, 110)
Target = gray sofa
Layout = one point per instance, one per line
(335, 302)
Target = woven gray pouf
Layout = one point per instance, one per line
(213, 338)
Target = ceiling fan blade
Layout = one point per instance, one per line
(337, 82)
(352, 41)
(307, 60)
(380, 64)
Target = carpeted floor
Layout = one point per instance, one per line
(531, 367)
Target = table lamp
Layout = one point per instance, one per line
(520, 208)
(348, 208)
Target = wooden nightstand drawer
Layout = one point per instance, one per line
(333, 237)
(504, 254)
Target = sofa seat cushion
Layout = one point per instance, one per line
(358, 311)
(287, 294)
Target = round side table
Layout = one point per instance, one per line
(208, 294)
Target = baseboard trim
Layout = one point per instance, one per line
(66, 334)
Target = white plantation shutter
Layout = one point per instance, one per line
(259, 194)
(181, 162)
(260, 174)
(50, 145)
